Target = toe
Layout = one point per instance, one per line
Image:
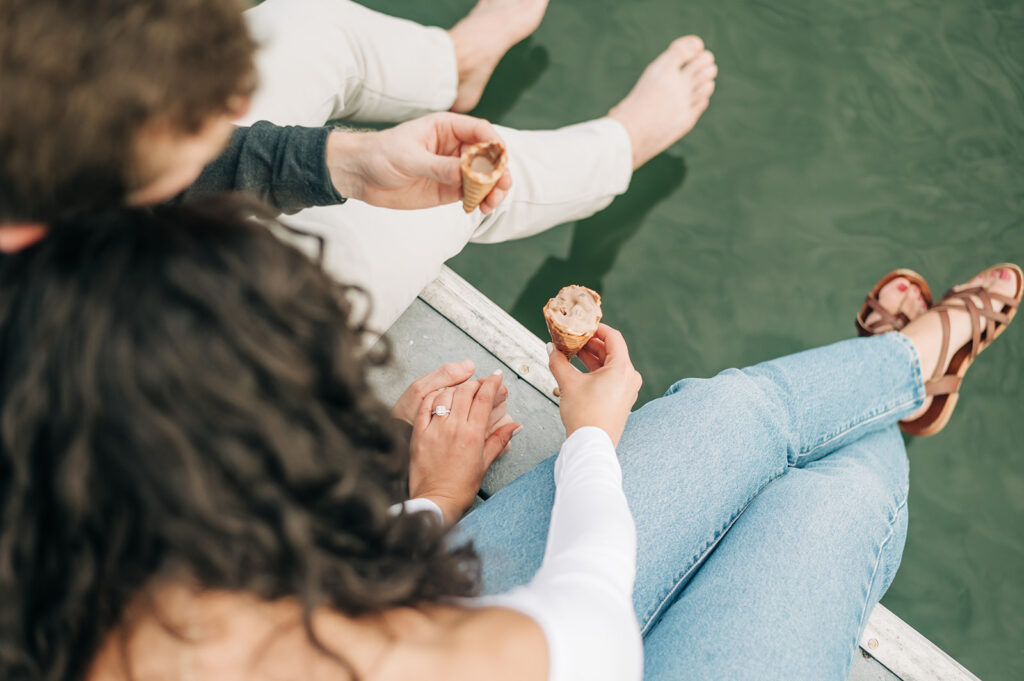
(704, 90)
(973, 283)
(698, 64)
(684, 49)
(706, 75)
(913, 304)
(1004, 281)
(893, 293)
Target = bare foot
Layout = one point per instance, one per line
(899, 295)
(926, 331)
(483, 37)
(672, 93)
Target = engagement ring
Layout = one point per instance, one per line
(441, 410)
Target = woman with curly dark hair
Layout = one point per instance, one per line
(196, 482)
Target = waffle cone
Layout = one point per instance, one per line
(476, 185)
(566, 340)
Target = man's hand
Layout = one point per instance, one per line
(412, 165)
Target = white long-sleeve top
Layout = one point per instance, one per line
(582, 596)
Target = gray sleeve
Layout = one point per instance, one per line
(285, 166)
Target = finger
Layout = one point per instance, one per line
(498, 194)
(493, 428)
(615, 346)
(560, 367)
(501, 396)
(492, 201)
(497, 415)
(423, 413)
(589, 359)
(598, 348)
(498, 423)
(497, 442)
(483, 402)
(445, 398)
(441, 169)
(444, 376)
(469, 129)
(462, 399)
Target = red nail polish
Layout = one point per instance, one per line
(1004, 274)
(902, 286)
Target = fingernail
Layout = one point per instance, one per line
(517, 431)
(550, 347)
(1004, 274)
(902, 287)
(496, 372)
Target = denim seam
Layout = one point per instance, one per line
(917, 388)
(865, 420)
(916, 360)
(874, 571)
(652, 615)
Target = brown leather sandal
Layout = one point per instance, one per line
(889, 321)
(987, 323)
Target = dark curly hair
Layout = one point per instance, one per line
(79, 79)
(183, 396)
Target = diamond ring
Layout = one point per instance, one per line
(441, 410)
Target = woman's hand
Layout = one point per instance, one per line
(450, 454)
(604, 396)
(412, 165)
(442, 378)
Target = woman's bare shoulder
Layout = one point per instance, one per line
(235, 637)
(501, 645)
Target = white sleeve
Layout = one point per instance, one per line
(417, 505)
(582, 596)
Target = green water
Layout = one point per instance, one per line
(845, 139)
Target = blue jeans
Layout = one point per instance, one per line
(771, 511)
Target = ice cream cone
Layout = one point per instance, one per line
(482, 166)
(572, 318)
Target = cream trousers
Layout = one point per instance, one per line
(322, 60)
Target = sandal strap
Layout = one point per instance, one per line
(984, 318)
(887, 320)
(947, 385)
(940, 366)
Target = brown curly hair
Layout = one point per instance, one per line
(79, 79)
(182, 396)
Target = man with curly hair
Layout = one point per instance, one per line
(113, 101)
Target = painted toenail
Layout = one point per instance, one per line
(902, 287)
(1004, 274)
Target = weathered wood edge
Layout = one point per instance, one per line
(906, 652)
(888, 639)
(493, 328)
